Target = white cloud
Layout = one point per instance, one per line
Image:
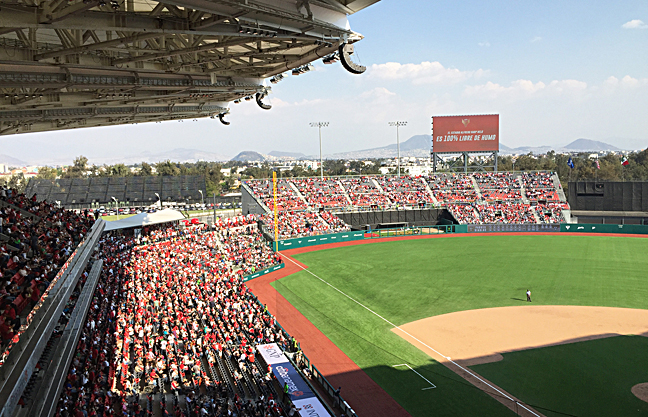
(423, 73)
(484, 44)
(536, 39)
(625, 82)
(379, 93)
(635, 24)
(522, 89)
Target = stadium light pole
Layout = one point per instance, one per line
(320, 125)
(202, 197)
(116, 205)
(398, 124)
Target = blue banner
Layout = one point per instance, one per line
(297, 387)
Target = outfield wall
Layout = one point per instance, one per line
(300, 242)
(436, 230)
(263, 272)
(634, 229)
(385, 218)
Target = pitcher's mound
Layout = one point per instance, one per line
(641, 391)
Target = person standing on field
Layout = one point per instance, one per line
(529, 295)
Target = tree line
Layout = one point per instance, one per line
(214, 179)
(609, 168)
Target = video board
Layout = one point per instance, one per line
(465, 133)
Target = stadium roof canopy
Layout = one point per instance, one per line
(145, 219)
(79, 63)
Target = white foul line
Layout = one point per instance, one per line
(415, 338)
(414, 370)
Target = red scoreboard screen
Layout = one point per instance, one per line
(466, 133)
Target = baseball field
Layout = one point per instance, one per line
(443, 326)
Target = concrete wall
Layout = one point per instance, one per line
(396, 218)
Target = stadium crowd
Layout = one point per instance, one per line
(175, 319)
(286, 197)
(325, 192)
(303, 223)
(405, 190)
(483, 197)
(36, 239)
(363, 192)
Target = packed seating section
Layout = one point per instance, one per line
(484, 197)
(405, 190)
(172, 325)
(325, 192)
(36, 240)
(363, 192)
(305, 223)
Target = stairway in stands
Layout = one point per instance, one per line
(344, 191)
(476, 186)
(297, 193)
(429, 190)
(381, 190)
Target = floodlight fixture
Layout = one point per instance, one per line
(320, 125)
(398, 124)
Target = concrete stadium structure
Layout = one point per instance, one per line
(67, 64)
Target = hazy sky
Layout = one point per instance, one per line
(555, 71)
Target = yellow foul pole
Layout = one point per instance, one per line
(274, 192)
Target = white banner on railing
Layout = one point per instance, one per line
(272, 353)
(311, 407)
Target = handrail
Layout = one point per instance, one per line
(22, 211)
(20, 361)
(46, 399)
(327, 385)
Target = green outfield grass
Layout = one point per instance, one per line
(413, 279)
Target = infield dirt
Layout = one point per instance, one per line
(474, 337)
(462, 339)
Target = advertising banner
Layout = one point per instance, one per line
(263, 272)
(311, 407)
(297, 387)
(499, 227)
(300, 242)
(465, 133)
(605, 228)
(272, 354)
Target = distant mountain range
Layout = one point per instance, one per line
(250, 156)
(415, 146)
(296, 155)
(272, 156)
(419, 146)
(11, 161)
(174, 155)
(590, 145)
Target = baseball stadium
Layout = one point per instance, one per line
(466, 291)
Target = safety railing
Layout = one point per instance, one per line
(328, 388)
